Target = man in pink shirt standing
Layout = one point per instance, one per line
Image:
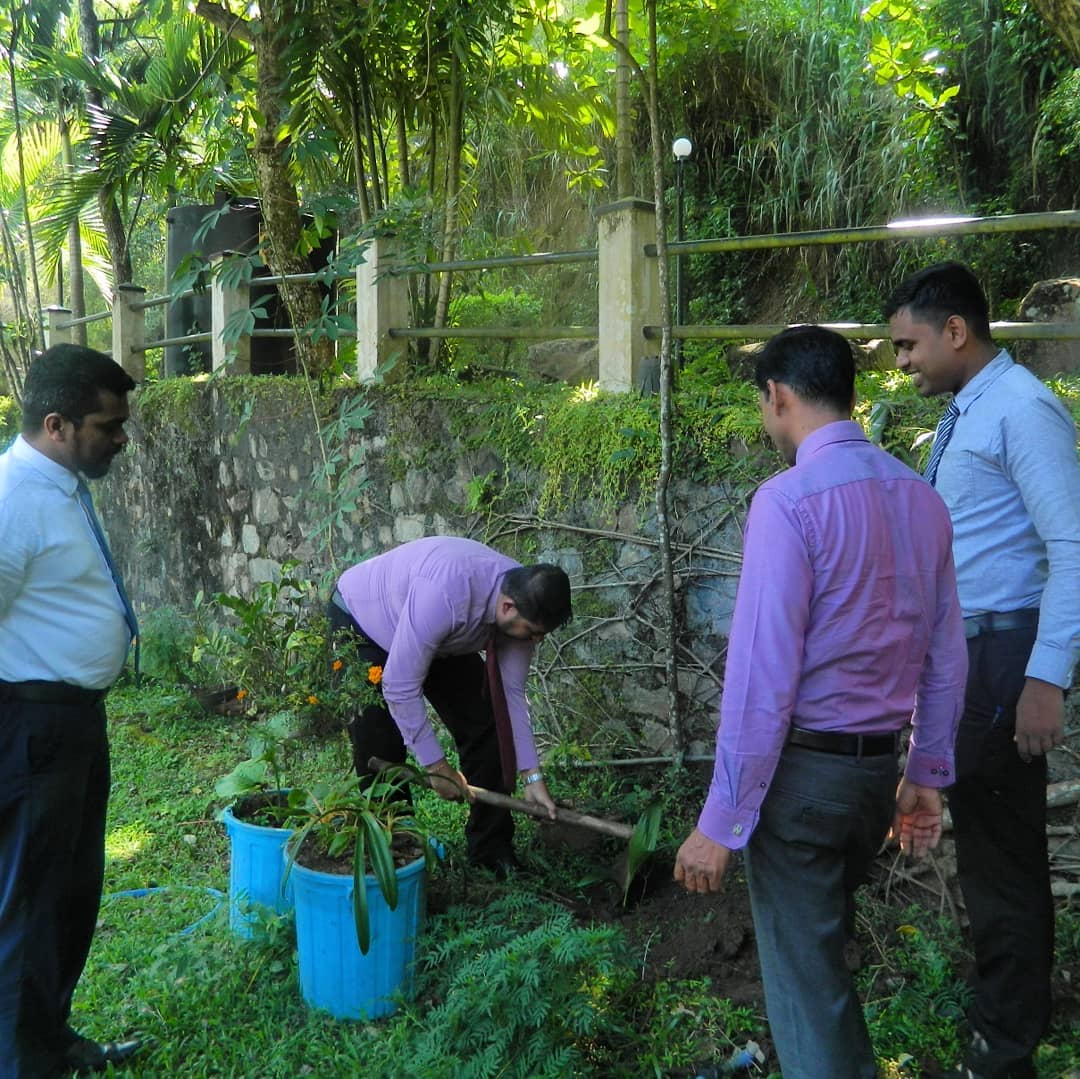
(846, 628)
(423, 611)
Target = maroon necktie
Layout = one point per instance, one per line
(502, 714)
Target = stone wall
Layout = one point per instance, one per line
(223, 487)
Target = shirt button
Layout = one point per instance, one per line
(737, 829)
(944, 771)
(933, 771)
(761, 785)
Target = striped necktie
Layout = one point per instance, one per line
(941, 440)
(129, 611)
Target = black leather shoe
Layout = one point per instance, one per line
(84, 1056)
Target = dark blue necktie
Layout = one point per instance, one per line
(941, 440)
(103, 543)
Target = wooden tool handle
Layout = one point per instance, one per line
(517, 805)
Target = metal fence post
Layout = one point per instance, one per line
(382, 304)
(57, 330)
(129, 330)
(629, 290)
(225, 302)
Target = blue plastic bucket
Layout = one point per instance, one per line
(334, 975)
(256, 868)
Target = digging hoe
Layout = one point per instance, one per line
(641, 838)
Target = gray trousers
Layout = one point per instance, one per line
(822, 823)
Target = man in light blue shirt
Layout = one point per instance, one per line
(1004, 460)
(65, 631)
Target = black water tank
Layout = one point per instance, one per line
(230, 225)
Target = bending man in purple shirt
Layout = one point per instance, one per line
(846, 627)
(423, 611)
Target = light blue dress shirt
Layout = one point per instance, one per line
(1011, 480)
(61, 619)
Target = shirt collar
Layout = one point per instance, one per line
(839, 431)
(63, 477)
(983, 381)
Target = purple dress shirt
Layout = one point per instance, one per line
(846, 619)
(436, 597)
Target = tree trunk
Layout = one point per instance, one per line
(624, 150)
(453, 189)
(1063, 18)
(284, 249)
(115, 233)
(76, 301)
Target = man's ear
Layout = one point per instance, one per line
(956, 331)
(55, 428)
(779, 398)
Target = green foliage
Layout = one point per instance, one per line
(10, 420)
(511, 307)
(167, 639)
(266, 767)
(525, 992)
(338, 478)
(915, 995)
(902, 57)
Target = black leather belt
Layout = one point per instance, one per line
(52, 693)
(848, 745)
(999, 621)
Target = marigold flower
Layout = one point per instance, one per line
(312, 699)
(336, 665)
(374, 675)
(241, 694)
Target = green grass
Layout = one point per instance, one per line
(557, 997)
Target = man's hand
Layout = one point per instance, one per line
(537, 794)
(1040, 719)
(701, 864)
(917, 821)
(448, 783)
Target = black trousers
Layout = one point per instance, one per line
(456, 687)
(54, 787)
(998, 807)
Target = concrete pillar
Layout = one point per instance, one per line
(228, 305)
(382, 303)
(629, 291)
(56, 332)
(129, 330)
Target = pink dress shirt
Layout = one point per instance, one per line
(846, 619)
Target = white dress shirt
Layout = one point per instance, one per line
(1011, 480)
(61, 618)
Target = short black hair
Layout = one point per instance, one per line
(816, 363)
(541, 594)
(940, 291)
(69, 379)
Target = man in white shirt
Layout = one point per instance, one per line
(66, 626)
(1004, 460)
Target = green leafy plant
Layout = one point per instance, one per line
(265, 769)
(528, 993)
(915, 996)
(367, 822)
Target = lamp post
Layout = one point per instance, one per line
(682, 148)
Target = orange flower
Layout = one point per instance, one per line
(312, 699)
(241, 694)
(374, 675)
(337, 665)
